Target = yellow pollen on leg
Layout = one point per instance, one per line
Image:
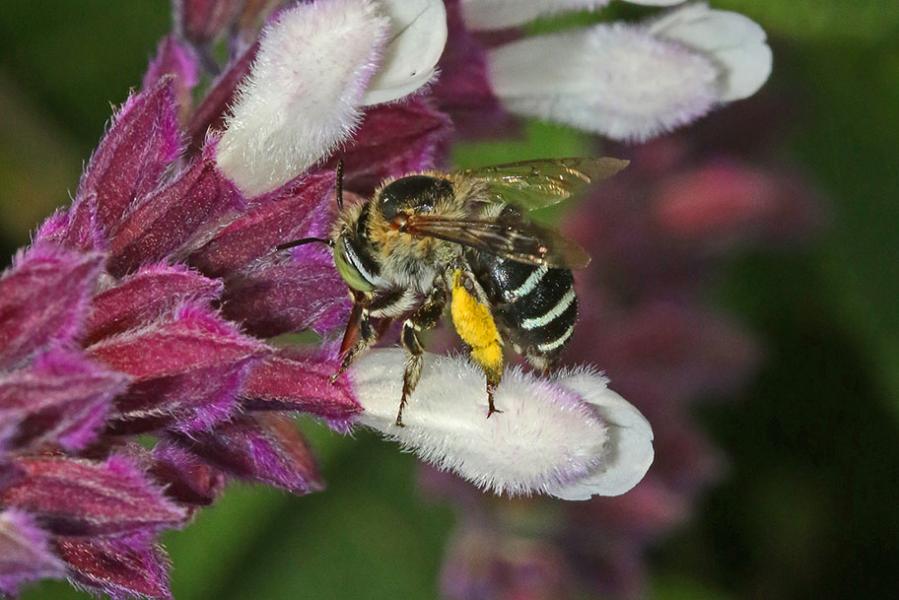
(475, 325)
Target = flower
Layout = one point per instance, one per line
(144, 308)
(287, 116)
(623, 81)
(26, 554)
(569, 437)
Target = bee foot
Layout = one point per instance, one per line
(492, 410)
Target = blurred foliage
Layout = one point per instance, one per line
(857, 20)
(808, 509)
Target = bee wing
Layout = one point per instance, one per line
(533, 184)
(519, 241)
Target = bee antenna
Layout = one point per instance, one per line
(339, 184)
(302, 242)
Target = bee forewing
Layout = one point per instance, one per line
(534, 184)
(521, 241)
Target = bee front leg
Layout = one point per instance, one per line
(425, 317)
(359, 336)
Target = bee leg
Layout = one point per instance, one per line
(476, 326)
(425, 317)
(367, 336)
(491, 389)
(412, 373)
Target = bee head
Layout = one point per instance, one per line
(414, 193)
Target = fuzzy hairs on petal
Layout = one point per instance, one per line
(616, 80)
(569, 436)
(300, 99)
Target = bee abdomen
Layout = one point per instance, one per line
(536, 306)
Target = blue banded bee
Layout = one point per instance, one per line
(431, 239)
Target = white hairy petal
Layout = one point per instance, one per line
(499, 14)
(631, 436)
(734, 42)
(417, 37)
(301, 97)
(569, 436)
(656, 2)
(617, 80)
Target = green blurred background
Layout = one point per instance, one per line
(810, 504)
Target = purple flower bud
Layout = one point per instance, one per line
(178, 61)
(288, 292)
(393, 140)
(141, 142)
(191, 339)
(77, 228)
(62, 399)
(297, 382)
(271, 220)
(646, 512)
(194, 401)
(124, 566)
(10, 474)
(211, 111)
(677, 351)
(24, 553)
(188, 368)
(144, 296)
(201, 21)
(164, 221)
(43, 299)
(263, 448)
(186, 477)
(79, 497)
(690, 461)
(482, 565)
(727, 202)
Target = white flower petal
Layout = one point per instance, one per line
(656, 2)
(570, 437)
(301, 97)
(616, 80)
(499, 14)
(417, 38)
(735, 43)
(632, 437)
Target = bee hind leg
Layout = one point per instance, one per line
(476, 326)
(491, 389)
(425, 317)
